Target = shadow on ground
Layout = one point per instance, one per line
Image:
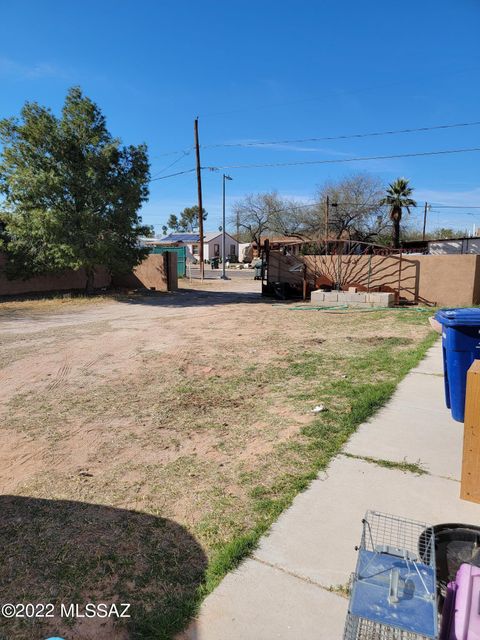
(56, 551)
(195, 298)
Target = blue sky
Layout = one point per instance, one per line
(263, 70)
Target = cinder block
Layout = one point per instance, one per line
(330, 296)
(381, 299)
(388, 299)
(356, 297)
(317, 296)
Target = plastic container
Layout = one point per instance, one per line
(462, 619)
(461, 346)
(455, 544)
(447, 628)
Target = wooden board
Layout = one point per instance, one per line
(470, 487)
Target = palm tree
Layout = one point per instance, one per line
(398, 198)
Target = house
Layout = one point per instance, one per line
(292, 244)
(444, 246)
(212, 244)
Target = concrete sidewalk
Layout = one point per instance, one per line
(287, 590)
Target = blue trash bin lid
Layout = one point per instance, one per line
(459, 317)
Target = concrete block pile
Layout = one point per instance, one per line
(362, 299)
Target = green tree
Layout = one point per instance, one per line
(188, 221)
(71, 192)
(172, 222)
(444, 233)
(398, 199)
(439, 233)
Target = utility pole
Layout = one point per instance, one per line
(224, 253)
(200, 202)
(425, 220)
(327, 211)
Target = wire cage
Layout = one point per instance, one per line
(393, 589)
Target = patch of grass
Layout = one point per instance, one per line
(390, 341)
(341, 590)
(416, 316)
(407, 467)
(220, 455)
(354, 402)
(323, 439)
(305, 365)
(48, 304)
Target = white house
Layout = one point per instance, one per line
(212, 243)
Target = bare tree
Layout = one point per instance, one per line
(288, 219)
(355, 210)
(262, 213)
(254, 214)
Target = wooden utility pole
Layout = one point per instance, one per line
(200, 202)
(470, 487)
(425, 220)
(327, 207)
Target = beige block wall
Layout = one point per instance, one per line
(152, 273)
(450, 280)
(444, 280)
(64, 281)
(158, 272)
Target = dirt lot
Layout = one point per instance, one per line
(146, 443)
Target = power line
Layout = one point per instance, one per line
(189, 149)
(171, 153)
(416, 206)
(466, 213)
(342, 137)
(341, 160)
(171, 175)
(184, 155)
(454, 206)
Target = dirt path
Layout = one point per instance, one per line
(62, 351)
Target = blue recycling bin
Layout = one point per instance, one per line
(461, 346)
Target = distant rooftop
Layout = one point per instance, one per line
(180, 237)
(191, 237)
(211, 235)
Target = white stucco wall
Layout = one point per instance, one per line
(245, 247)
(209, 247)
(465, 245)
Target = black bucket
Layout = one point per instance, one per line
(454, 544)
